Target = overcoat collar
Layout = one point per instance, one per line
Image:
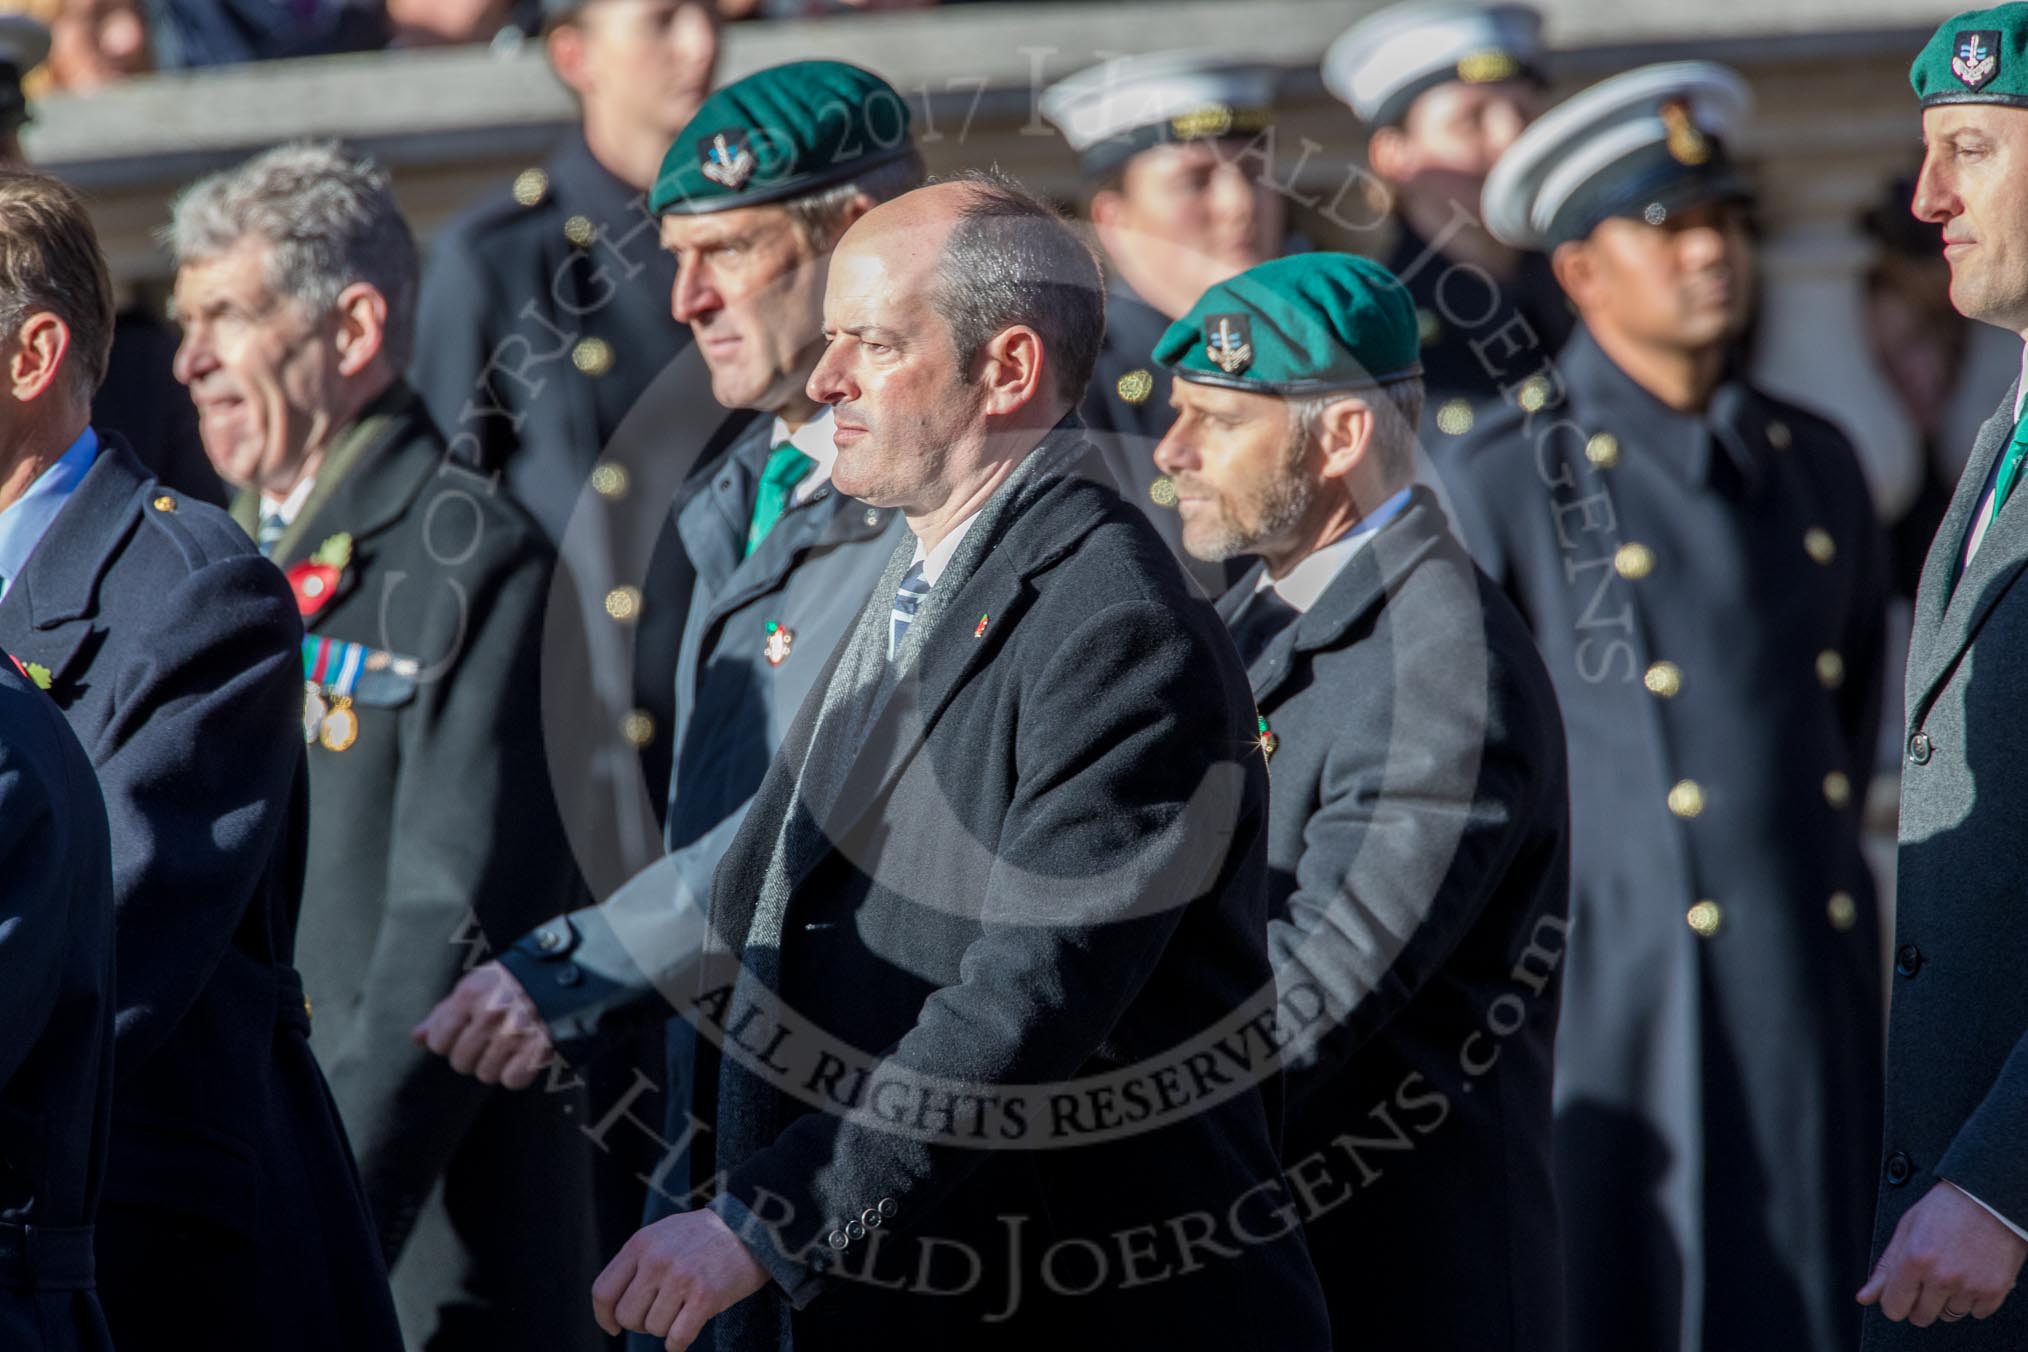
(1362, 586)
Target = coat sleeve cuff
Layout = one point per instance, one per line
(2019, 1233)
(800, 1281)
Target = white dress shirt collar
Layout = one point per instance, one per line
(814, 439)
(1306, 582)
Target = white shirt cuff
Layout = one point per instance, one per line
(2019, 1233)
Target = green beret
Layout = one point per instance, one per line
(779, 133)
(1979, 57)
(1298, 326)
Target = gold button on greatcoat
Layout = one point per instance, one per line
(624, 604)
(1633, 561)
(1841, 911)
(1819, 545)
(530, 187)
(1831, 668)
(1686, 798)
(1705, 918)
(1663, 679)
(610, 481)
(638, 727)
(1603, 450)
(593, 356)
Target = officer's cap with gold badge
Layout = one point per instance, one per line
(1311, 324)
(779, 133)
(1109, 113)
(1383, 63)
(1981, 56)
(23, 45)
(1640, 145)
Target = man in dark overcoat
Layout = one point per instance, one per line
(1001, 887)
(56, 1065)
(1951, 1223)
(782, 560)
(1417, 857)
(433, 832)
(56, 880)
(231, 1203)
(1701, 565)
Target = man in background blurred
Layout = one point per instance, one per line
(545, 309)
(1702, 568)
(1173, 147)
(1445, 87)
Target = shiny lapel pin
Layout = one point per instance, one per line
(980, 632)
(780, 642)
(1266, 741)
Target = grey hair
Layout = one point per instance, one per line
(329, 219)
(1397, 411)
(820, 216)
(1012, 259)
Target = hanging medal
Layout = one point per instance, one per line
(314, 709)
(331, 667)
(341, 726)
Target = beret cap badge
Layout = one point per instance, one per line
(1976, 58)
(1228, 342)
(724, 158)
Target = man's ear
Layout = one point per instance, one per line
(566, 46)
(1391, 155)
(1107, 206)
(362, 327)
(36, 356)
(1576, 268)
(1344, 435)
(1012, 368)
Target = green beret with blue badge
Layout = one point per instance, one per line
(1981, 56)
(1311, 324)
(780, 133)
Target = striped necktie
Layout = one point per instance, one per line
(906, 601)
(271, 532)
(785, 469)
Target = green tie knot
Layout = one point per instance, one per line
(785, 468)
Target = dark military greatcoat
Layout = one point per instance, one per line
(433, 838)
(1708, 592)
(231, 1204)
(544, 315)
(56, 1003)
(1485, 343)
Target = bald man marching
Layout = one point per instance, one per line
(1006, 867)
(1952, 1225)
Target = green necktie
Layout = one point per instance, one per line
(785, 469)
(2003, 484)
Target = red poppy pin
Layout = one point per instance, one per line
(34, 671)
(315, 580)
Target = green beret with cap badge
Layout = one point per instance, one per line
(1981, 56)
(1309, 324)
(780, 133)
